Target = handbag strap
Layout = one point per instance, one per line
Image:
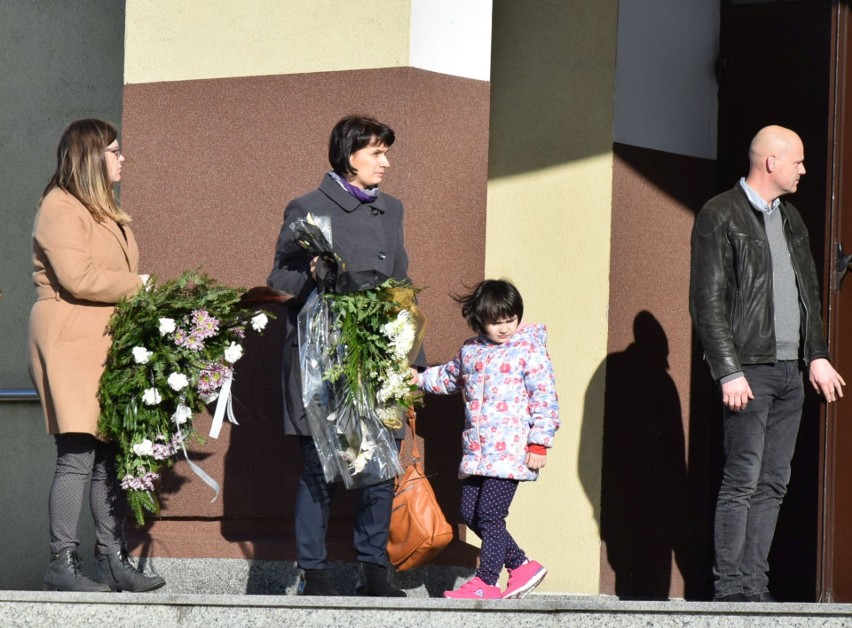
(412, 423)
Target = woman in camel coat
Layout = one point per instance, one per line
(85, 259)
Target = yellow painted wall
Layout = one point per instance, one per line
(548, 229)
(175, 40)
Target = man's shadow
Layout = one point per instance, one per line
(645, 504)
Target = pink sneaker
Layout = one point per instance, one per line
(524, 579)
(475, 589)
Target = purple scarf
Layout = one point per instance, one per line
(365, 196)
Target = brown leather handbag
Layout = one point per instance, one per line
(418, 528)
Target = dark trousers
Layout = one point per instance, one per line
(79, 456)
(759, 445)
(484, 508)
(313, 503)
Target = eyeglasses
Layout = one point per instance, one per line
(115, 151)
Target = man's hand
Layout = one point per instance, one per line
(826, 380)
(736, 394)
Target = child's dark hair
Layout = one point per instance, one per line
(490, 301)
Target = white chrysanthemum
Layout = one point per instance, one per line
(401, 333)
(259, 322)
(167, 326)
(145, 448)
(404, 341)
(151, 397)
(182, 414)
(233, 353)
(178, 381)
(141, 355)
(394, 385)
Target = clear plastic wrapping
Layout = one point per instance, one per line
(345, 421)
(353, 444)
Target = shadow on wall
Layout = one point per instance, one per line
(559, 78)
(646, 516)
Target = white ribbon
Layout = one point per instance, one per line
(198, 470)
(223, 405)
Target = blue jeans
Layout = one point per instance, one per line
(759, 445)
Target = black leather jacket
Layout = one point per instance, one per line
(730, 289)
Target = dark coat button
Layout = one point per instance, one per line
(382, 256)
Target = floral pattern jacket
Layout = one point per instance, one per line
(510, 401)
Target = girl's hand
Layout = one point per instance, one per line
(314, 267)
(535, 461)
(414, 376)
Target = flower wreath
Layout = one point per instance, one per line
(173, 351)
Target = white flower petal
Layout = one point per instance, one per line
(145, 448)
(182, 414)
(141, 355)
(233, 353)
(178, 381)
(151, 397)
(167, 326)
(259, 322)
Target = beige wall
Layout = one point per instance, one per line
(174, 40)
(549, 207)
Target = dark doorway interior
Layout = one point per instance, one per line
(775, 68)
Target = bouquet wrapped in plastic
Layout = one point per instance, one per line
(355, 346)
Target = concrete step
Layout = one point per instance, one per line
(69, 610)
(248, 593)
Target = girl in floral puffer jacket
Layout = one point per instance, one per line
(511, 417)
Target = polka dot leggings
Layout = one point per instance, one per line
(484, 508)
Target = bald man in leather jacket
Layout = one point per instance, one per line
(755, 302)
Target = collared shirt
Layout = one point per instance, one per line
(756, 201)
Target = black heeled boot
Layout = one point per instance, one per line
(316, 582)
(118, 574)
(373, 582)
(65, 573)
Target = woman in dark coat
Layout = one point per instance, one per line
(367, 227)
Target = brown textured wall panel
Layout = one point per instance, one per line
(653, 493)
(209, 168)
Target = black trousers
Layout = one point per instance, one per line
(313, 503)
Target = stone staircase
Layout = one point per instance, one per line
(69, 610)
(237, 592)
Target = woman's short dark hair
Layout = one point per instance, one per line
(350, 135)
(490, 301)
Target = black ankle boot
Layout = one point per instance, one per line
(316, 582)
(65, 573)
(118, 574)
(373, 582)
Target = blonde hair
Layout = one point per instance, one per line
(81, 168)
